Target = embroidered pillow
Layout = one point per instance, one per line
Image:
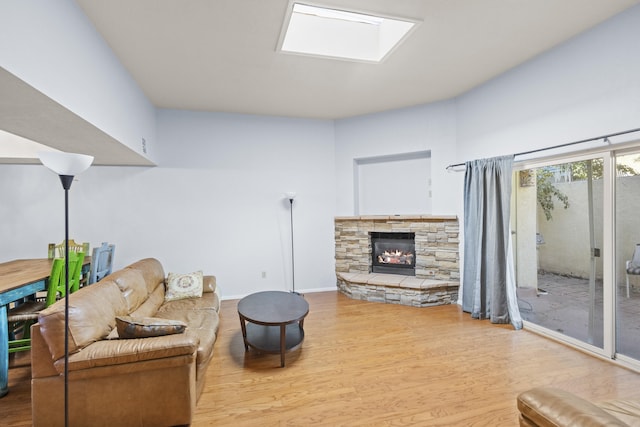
(181, 286)
(144, 327)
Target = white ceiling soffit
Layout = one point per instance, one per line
(222, 55)
(26, 113)
(16, 149)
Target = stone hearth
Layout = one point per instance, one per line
(437, 275)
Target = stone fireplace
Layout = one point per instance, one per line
(431, 270)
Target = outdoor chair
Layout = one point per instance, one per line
(633, 266)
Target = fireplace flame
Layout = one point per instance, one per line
(395, 256)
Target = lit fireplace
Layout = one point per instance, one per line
(393, 253)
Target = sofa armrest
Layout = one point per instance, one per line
(41, 358)
(548, 407)
(209, 283)
(122, 351)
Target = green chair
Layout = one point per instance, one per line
(21, 317)
(56, 284)
(76, 272)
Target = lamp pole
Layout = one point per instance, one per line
(292, 195)
(66, 181)
(66, 165)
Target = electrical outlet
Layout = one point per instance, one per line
(264, 274)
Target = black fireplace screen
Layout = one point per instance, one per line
(393, 253)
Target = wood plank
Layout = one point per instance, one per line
(23, 271)
(365, 363)
(19, 272)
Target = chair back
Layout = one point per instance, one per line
(75, 276)
(73, 247)
(21, 317)
(101, 262)
(635, 260)
(56, 286)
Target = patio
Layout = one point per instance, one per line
(562, 305)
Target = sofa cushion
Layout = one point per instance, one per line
(209, 283)
(151, 305)
(132, 285)
(208, 301)
(92, 313)
(181, 286)
(122, 352)
(151, 270)
(145, 327)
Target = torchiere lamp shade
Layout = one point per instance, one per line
(65, 163)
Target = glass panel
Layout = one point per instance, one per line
(558, 238)
(627, 239)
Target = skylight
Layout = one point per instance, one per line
(342, 34)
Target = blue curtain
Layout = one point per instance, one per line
(488, 285)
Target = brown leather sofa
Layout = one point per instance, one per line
(153, 381)
(549, 407)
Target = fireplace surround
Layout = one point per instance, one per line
(437, 273)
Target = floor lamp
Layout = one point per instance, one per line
(292, 195)
(66, 165)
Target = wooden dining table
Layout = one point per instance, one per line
(19, 279)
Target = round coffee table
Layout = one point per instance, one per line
(272, 321)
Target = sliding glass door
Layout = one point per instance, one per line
(627, 237)
(576, 239)
(558, 235)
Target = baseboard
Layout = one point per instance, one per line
(300, 291)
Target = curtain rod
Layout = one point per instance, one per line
(605, 137)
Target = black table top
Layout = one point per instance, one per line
(273, 307)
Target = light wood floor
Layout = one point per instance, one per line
(380, 365)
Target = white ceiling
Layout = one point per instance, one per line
(220, 55)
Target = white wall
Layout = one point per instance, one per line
(587, 87)
(52, 46)
(393, 185)
(426, 127)
(244, 165)
(215, 202)
(567, 246)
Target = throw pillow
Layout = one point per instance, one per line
(181, 286)
(144, 327)
(113, 335)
